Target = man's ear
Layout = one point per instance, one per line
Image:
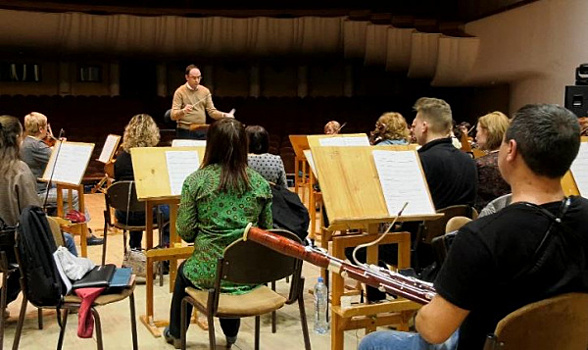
(512, 150)
(425, 126)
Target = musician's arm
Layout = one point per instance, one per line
(438, 320)
(177, 104)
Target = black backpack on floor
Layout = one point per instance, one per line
(36, 246)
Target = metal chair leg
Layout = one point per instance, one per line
(98, 327)
(303, 315)
(63, 326)
(40, 318)
(274, 327)
(257, 322)
(3, 297)
(133, 321)
(21, 316)
(106, 220)
(183, 323)
(211, 335)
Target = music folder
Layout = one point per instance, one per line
(99, 276)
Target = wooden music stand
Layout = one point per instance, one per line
(312, 194)
(299, 143)
(152, 182)
(353, 195)
(66, 169)
(106, 157)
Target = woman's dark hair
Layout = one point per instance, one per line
(10, 132)
(258, 139)
(226, 145)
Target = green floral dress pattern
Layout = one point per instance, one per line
(213, 220)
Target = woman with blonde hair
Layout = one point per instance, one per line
(141, 131)
(391, 129)
(490, 132)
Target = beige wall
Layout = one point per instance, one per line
(536, 48)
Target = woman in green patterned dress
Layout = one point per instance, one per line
(218, 200)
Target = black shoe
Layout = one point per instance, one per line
(231, 341)
(93, 240)
(170, 339)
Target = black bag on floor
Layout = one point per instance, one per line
(36, 246)
(288, 212)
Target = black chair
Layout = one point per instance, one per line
(122, 195)
(423, 253)
(73, 302)
(249, 263)
(7, 267)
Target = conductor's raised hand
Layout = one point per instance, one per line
(231, 114)
(187, 109)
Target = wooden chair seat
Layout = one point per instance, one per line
(261, 300)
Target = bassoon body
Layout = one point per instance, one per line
(375, 276)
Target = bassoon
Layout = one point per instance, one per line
(385, 280)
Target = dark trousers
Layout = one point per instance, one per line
(230, 326)
(138, 218)
(191, 135)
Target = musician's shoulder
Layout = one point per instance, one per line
(203, 90)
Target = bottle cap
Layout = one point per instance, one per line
(320, 279)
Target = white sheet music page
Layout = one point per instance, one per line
(402, 181)
(344, 141)
(188, 143)
(579, 169)
(71, 163)
(180, 164)
(308, 155)
(108, 149)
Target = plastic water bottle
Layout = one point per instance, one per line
(321, 301)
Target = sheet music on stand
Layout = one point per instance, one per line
(109, 148)
(579, 169)
(402, 181)
(344, 141)
(310, 160)
(188, 143)
(71, 163)
(180, 164)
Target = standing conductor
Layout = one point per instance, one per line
(189, 105)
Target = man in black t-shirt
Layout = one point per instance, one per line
(498, 263)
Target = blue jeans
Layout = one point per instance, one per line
(70, 244)
(396, 340)
(192, 135)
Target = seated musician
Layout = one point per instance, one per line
(189, 106)
(492, 268)
(391, 129)
(141, 131)
(218, 201)
(332, 127)
(36, 153)
(270, 166)
(490, 132)
(17, 189)
(450, 174)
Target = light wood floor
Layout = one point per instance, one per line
(116, 317)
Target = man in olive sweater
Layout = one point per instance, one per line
(190, 104)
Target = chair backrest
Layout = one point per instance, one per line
(455, 223)
(56, 231)
(250, 262)
(117, 197)
(560, 322)
(435, 228)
